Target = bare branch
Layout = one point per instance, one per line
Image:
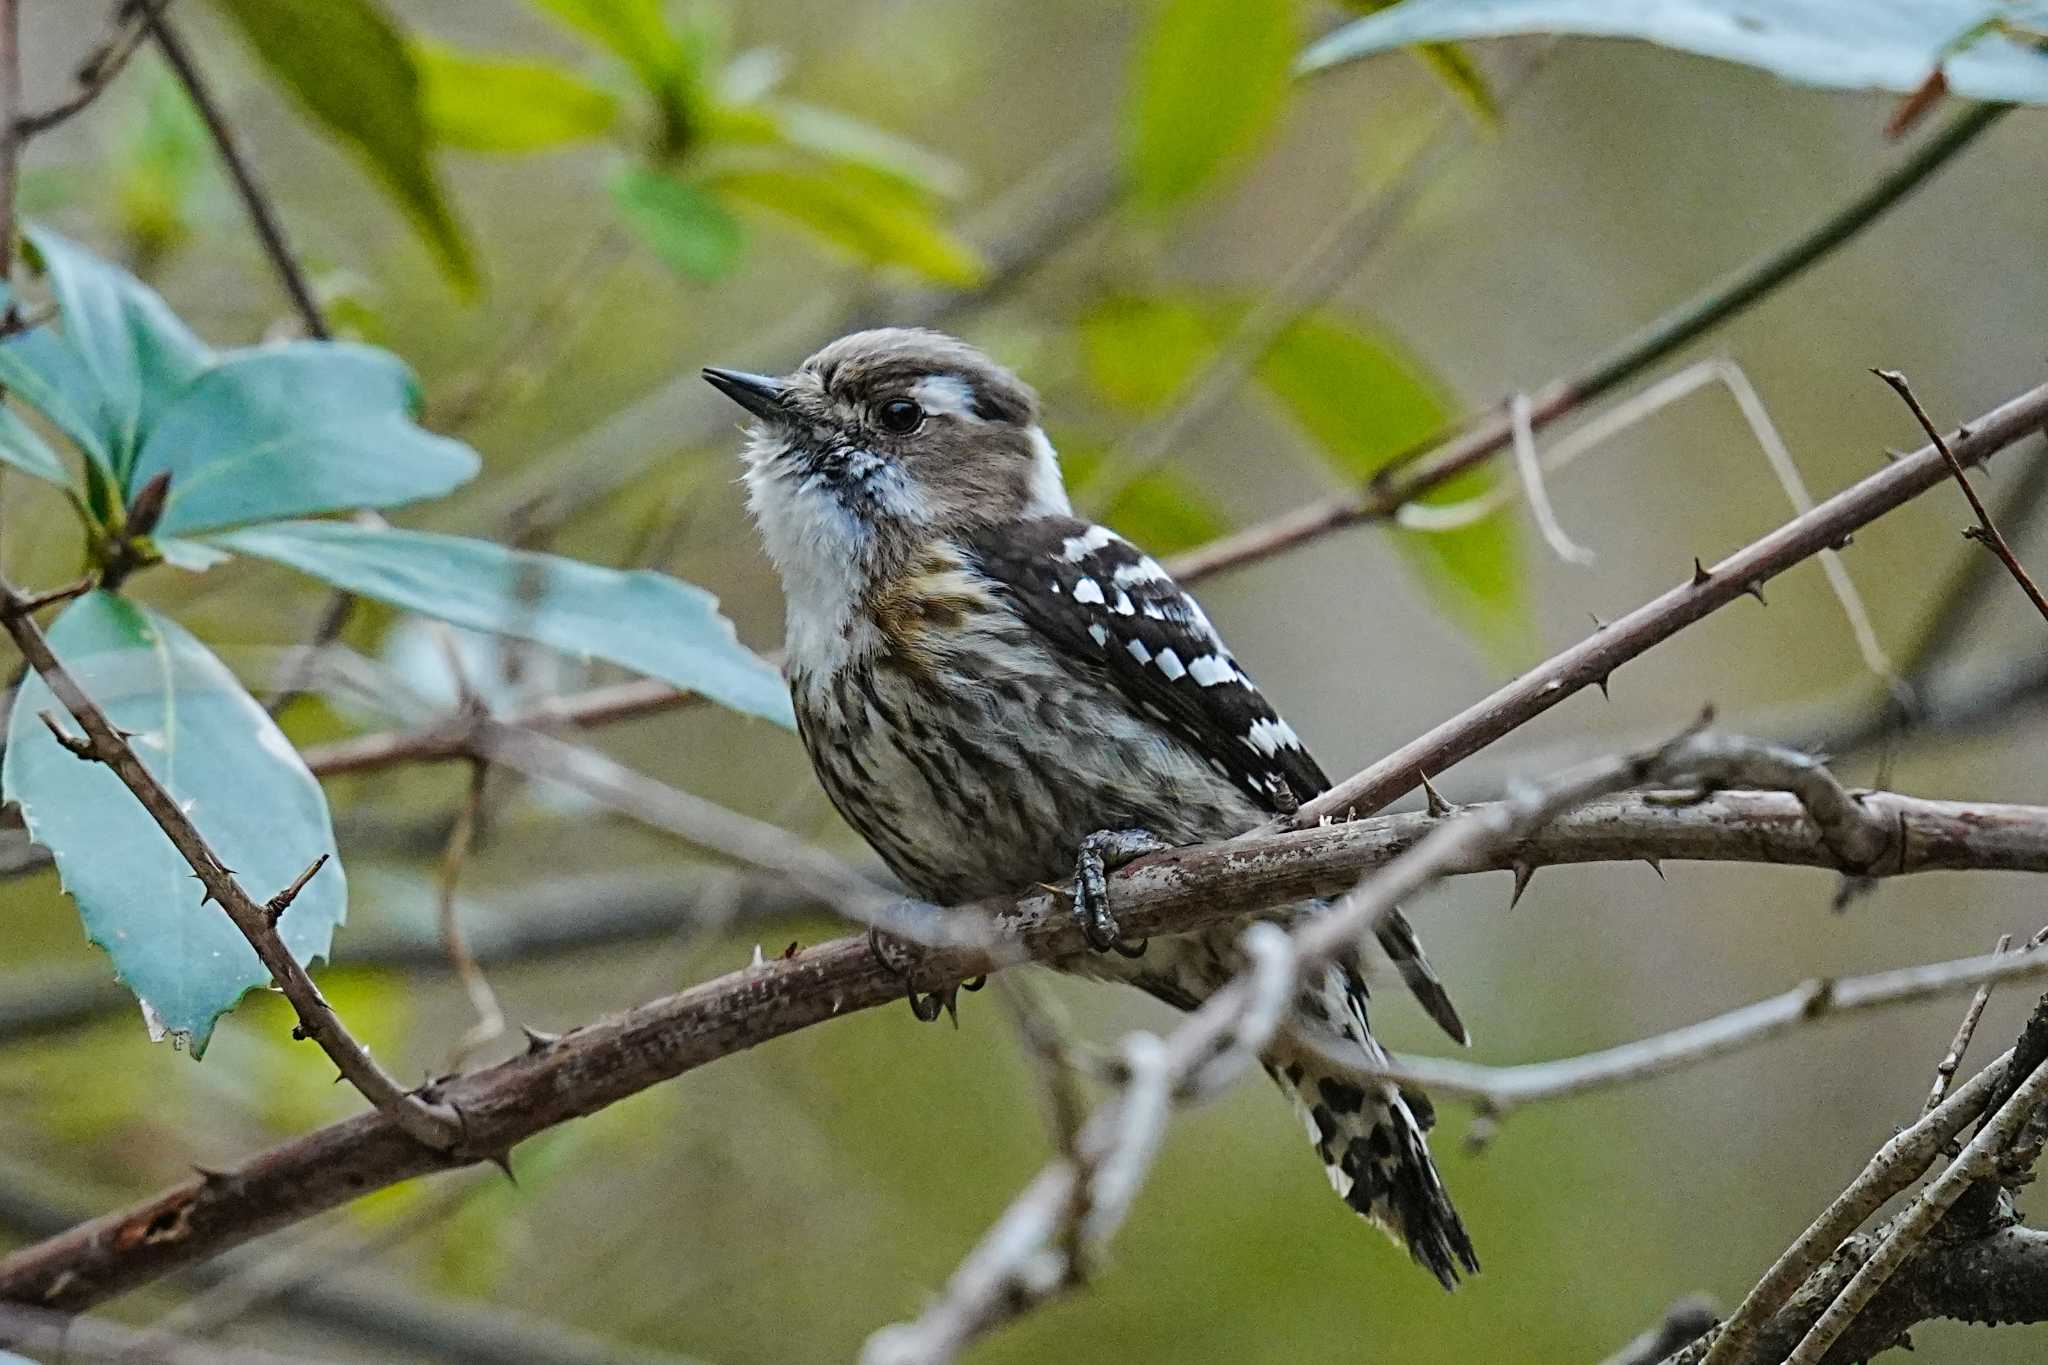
(1945, 1069)
(1986, 531)
(130, 26)
(1594, 658)
(430, 1123)
(1682, 1322)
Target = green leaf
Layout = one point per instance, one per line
(21, 447)
(41, 369)
(1141, 350)
(870, 216)
(348, 66)
(161, 161)
(1452, 65)
(833, 136)
(1475, 572)
(282, 431)
(136, 350)
(491, 103)
(1361, 397)
(1212, 77)
(1842, 44)
(692, 232)
(634, 31)
(225, 762)
(1159, 509)
(646, 621)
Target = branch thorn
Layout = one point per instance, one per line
(274, 908)
(1523, 872)
(79, 747)
(538, 1042)
(1755, 588)
(1656, 866)
(1700, 575)
(1438, 807)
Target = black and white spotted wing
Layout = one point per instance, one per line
(1105, 602)
(1096, 596)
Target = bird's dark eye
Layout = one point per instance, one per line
(899, 416)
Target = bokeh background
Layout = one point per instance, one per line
(784, 1203)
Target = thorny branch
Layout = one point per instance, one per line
(131, 20)
(1985, 532)
(428, 1122)
(603, 1062)
(1025, 1259)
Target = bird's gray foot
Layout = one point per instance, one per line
(1101, 854)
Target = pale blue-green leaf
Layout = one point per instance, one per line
(645, 621)
(692, 233)
(21, 447)
(225, 762)
(40, 368)
(193, 556)
(136, 349)
(283, 431)
(1843, 44)
(1212, 77)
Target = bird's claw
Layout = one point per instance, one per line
(900, 958)
(1102, 853)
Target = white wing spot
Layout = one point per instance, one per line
(1212, 669)
(1145, 570)
(1152, 610)
(1170, 664)
(1138, 651)
(1078, 548)
(1123, 604)
(1100, 636)
(1269, 737)
(1088, 590)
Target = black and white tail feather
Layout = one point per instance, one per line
(1371, 1137)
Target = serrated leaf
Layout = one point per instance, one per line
(1842, 44)
(348, 66)
(690, 231)
(126, 338)
(872, 217)
(493, 103)
(283, 431)
(223, 759)
(645, 621)
(1212, 76)
(21, 447)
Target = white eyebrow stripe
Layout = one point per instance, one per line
(1077, 548)
(948, 394)
(1170, 664)
(1212, 669)
(1088, 590)
(1139, 651)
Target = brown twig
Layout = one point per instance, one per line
(490, 1019)
(1952, 1060)
(1589, 662)
(130, 26)
(262, 213)
(430, 1123)
(597, 1065)
(1985, 532)
(11, 134)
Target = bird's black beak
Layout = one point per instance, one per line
(757, 393)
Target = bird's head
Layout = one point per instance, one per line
(887, 439)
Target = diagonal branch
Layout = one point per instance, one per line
(613, 1058)
(1590, 662)
(431, 1123)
